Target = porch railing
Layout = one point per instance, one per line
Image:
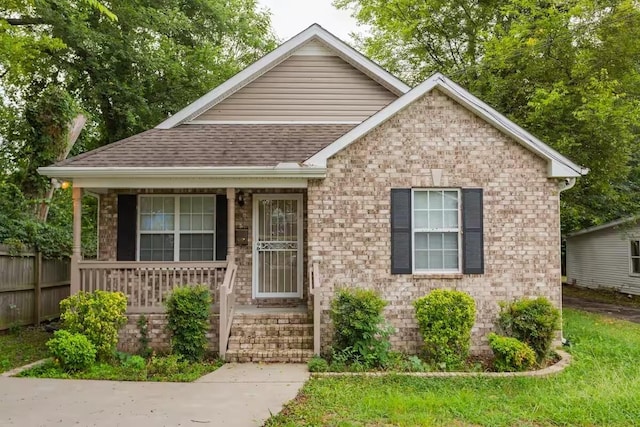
(314, 291)
(147, 284)
(227, 306)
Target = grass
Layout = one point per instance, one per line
(601, 295)
(600, 387)
(160, 368)
(26, 346)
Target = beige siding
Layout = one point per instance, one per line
(601, 259)
(305, 88)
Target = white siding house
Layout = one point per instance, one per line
(606, 256)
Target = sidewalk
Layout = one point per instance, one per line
(234, 395)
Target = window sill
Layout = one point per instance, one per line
(438, 275)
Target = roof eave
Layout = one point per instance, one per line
(284, 170)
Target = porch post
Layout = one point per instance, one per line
(76, 254)
(231, 224)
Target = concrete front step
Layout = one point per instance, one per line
(271, 343)
(269, 356)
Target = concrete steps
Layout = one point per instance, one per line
(271, 335)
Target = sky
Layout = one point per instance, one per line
(289, 17)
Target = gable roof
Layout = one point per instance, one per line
(558, 165)
(219, 145)
(275, 57)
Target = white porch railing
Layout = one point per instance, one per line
(314, 292)
(147, 284)
(227, 306)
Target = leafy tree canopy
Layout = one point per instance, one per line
(565, 70)
(126, 64)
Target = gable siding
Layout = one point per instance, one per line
(305, 88)
(601, 260)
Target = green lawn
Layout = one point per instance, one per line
(25, 347)
(600, 387)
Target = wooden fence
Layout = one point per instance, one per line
(31, 288)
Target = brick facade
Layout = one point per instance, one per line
(347, 218)
(349, 214)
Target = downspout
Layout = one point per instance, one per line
(565, 184)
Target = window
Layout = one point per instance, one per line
(436, 231)
(177, 228)
(635, 257)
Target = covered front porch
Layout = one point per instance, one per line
(248, 245)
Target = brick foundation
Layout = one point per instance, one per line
(159, 338)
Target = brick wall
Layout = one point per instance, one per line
(349, 214)
(159, 338)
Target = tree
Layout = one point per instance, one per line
(565, 70)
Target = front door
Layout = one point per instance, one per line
(277, 245)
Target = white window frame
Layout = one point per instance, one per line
(176, 225)
(415, 230)
(632, 257)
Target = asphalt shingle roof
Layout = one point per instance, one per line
(216, 145)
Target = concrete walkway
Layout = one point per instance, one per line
(234, 395)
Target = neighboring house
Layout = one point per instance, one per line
(315, 169)
(606, 256)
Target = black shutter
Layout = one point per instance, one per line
(127, 219)
(472, 230)
(221, 227)
(401, 231)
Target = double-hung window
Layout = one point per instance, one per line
(436, 230)
(177, 228)
(634, 257)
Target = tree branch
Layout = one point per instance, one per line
(24, 21)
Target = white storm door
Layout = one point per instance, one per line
(277, 245)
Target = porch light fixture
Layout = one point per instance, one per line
(241, 199)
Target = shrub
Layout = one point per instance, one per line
(166, 366)
(511, 354)
(73, 351)
(188, 311)
(317, 364)
(532, 321)
(98, 315)
(360, 332)
(445, 319)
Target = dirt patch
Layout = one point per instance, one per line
(631, 314)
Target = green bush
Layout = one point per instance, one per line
(445, 319)
(98, 315)
(317, 364)
(532, 321)
(188, 312)
(359, 327)
(72, 351)
(511, 354)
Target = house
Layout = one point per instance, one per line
(315, 169)
(606, 256)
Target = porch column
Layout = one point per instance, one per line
(76, 254)
(231, 224)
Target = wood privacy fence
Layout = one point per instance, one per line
(31, 288)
